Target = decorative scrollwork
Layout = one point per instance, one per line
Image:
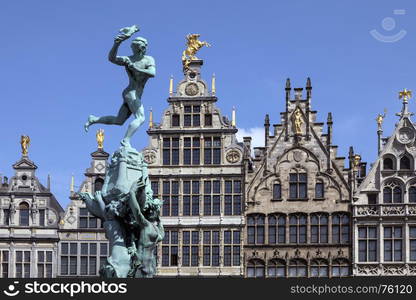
(233, 156)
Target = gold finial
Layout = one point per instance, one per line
(213, 88)
(71, 188)
(405, 95)
(151, 118)
(380, 119)
(100, 138)
(297, 116)
(24, 142)
(171, 85)
(192, 47)
(357, 160)
(233, 117)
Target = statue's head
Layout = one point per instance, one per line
(139, 45)
(153, 209)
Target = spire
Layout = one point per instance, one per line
(171, 86)
(233, 120)
(308, 89)
(151, 118)
(71, 188)
(49, 182)
(266, 129)
(213, 88)
(288, 84)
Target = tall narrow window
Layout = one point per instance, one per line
(232, 197)
(405, 163)
(212, 150)
(298, 186)
(191, 151)
(4, 263)
(22, 264)
(190, 241)
(24, 214)
(392, 193)
(170, 198)
(44, 264)
(297, 228)
(340, 228)
(211, 248)
(171, 151)
(89, 259)
(69, 252)
(319, 189)
(192, 115)
(6, 216)
(367, 244)
(232, 248)
(388, 164)
(277, 191)
(255, 229)
(412, 194)
(155, 188)
(176, 120)
(170, 249)
(208, 120)
(277, 229)
(42, 217)
(212, 197)
(412, 242)
(393, 243)
(319, 228)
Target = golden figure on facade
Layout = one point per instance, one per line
(100, 138)
(25, 142)
(405, 95)
(297, 120)
(380, 119)
(193, 45)
(357, 161)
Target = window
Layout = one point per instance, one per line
(372, 198)
(208, 120)
(340, 228)
(176, 120)
(276, 268)
(24, 214)
(211, 248)
(232, 197)
(255, 229)
(277, 229)
(41, 217)
(232, 249)
(86, 219)
(192, 115)
(319, 190)
(392, 193)
(69, 253)
(412, 194)
(319, 268)
(88, 258)
(190, 200)
(170, 198)
(170, 151)
(103, 254)
(297, 268)
(98, 184)
(412, 242)
(6, 216)
(190, 249)
(4, 263)
(170, 249)
(340, 268)
(388, 164)
(393, 243)
(191, 151)
(255, 268)
(277, 191)
(297, 186)
(155, 188)
(367, 244)
(212, 150)
(319, 228)
(44, 264)
(212, 197)
(297, 228)
(405, 163)
(22, 264)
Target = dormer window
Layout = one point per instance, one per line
(405, 163)
(388, 164)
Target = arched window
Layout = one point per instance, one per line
(319, 228)
(98, 184)
(340, 228)
(340, 268)
(24, 214)
(277, 229)
(319, 189)
(255, 229)
(297, 228)
(297, 268)
(388, 164)
(392, 193)
(319, 268)
(276, 268)
(298, 185)
(412, 194)
(255, 268)
(405, 163)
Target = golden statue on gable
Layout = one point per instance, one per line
(380, 119)
(100, 138)
(25, 142)
(297, 121)
(193, 45)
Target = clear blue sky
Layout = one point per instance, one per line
(54, 69)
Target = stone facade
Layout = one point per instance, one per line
(384, 207)
(29, 216)
(297, 198)
(196, 166)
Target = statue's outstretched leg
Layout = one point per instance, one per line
(123, 114)
(139, 118)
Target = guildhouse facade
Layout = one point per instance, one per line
(29, 216)
(195, 166)
(384, 207)
(298, 197)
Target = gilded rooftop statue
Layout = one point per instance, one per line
(192, 47)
